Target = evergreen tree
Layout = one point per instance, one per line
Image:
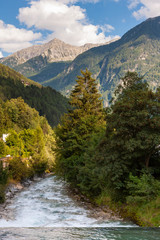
(85, 118)
(132, 134)
(135, 119)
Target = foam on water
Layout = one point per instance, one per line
(46, 204)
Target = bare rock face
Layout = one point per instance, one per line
(53, 51)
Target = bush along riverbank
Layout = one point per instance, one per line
(17, 175)
(144, 214)
(113, 156)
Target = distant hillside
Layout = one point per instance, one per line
(45, 100)
(7, 72)
(138, 50)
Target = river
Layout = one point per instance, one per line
(46, 211)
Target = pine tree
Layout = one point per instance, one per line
(84, 119)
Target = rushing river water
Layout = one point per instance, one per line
(45, 211)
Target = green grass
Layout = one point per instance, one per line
(145, 215)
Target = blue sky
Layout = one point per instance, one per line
(24, 23)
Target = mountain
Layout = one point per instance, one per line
(31, 61)
(137, 50)
(47, 101)
(53, 51)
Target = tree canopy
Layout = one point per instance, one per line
(131, 142)
(132, 137)
(84, 119)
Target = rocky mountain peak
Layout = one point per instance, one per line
(53, 51)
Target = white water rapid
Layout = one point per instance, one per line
(46, 204)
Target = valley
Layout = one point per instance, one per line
(137, 50)
(90, 115)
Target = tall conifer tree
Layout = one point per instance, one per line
(84, 119)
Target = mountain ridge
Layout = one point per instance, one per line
(53, 51)
(137, 50)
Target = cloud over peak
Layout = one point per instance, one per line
(13, 39)
(65, 20)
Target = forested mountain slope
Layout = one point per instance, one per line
(45, 100)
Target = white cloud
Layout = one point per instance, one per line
(90, 1)
(133, 3)
(65, 20)
(1, 55)
(13, 39)
(145, 8)
(107, 28)
(83, 1)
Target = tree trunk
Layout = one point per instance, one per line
(147, 160)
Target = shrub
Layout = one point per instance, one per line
(18, 169)
(39, 166)
(3, 181)
(142, 189)
(2, 193)
(3, 174)
(2, 148)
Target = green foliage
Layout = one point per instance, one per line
(131, 141)
(14, 144)
(28, 140)
(132, 135)
(18, 169)
(38, 160)
(49, 150)
(87, 179)
(3, 180)
(85, 118)
(142, 189)
(45, 100)
(3, 174)
(2, 148)
(2, 193)
(39, 164)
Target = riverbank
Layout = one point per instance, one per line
(100, 213)
(143, 215)
(96, 211)
(12, 188)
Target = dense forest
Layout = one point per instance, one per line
(45, 100)
(113, 156)
(28, 144)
